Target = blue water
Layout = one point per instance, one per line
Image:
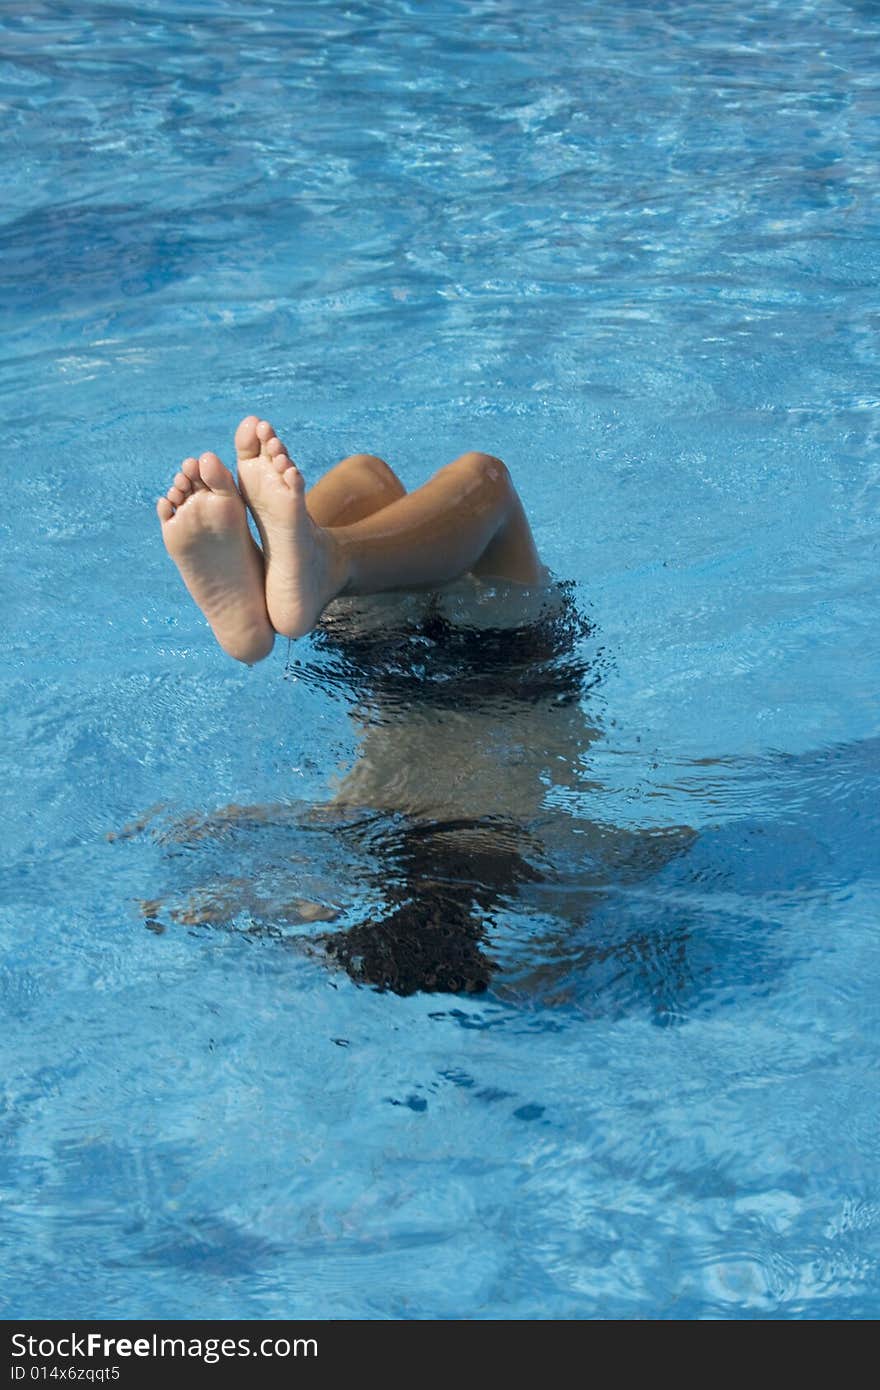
(633, 249)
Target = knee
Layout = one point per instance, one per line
(371, 461)
(484, 468)
(378, 469)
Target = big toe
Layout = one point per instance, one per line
(247, 441)
(216, 476)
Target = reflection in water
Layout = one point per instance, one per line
(464, 804)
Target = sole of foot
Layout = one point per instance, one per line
(304, 567)
(205, 530)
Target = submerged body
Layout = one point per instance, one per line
(357, 532)
(468, 787)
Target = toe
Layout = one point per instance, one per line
(265, 431)
(216, 475)
(293, 478)
(176, 497)
(274, 447)
(190, 470)
(165, 509)
(182, 483)
(247, 443)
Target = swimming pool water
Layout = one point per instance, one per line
(633, 250)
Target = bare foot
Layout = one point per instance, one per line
(305, 569)
(204, 526)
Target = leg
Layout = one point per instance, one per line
(204, 526)
(468, 517)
